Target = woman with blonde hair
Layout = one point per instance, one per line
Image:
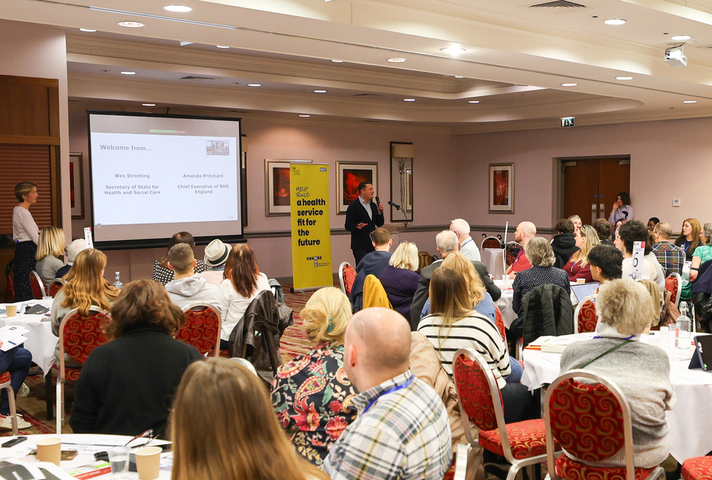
(400, 279)
(578, 265)
(222, 426)
(689, 239)
(454, 325)
(311, 394)
(243, 282)
(86, 286)
(49, 249)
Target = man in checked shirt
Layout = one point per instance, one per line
(402, 430)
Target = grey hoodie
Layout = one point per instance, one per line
(191, 290)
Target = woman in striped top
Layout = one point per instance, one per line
(454, 325)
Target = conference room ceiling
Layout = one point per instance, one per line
(516, 56)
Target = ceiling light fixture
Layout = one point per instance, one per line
(337, 61)
(221, 46)
(409, 99)
(624, 78)
(689, 101)
(397, 60)
(305, 116)
(128, 73)
(453, 50)
(675, 55)
(131, 24)
(681, 38)
(459, 76)
(177, 8)
(473, 101)
(148, 104)
(87, 30)
(254, 84)
(319, 91)
(569, 84)
(615, 21)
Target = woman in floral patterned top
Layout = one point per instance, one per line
(312, 394)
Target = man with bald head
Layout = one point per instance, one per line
(402, 430)
(525, 232)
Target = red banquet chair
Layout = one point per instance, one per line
(499, 323)
(512, 251)
(55, 287)
(79, 335)
(673, 284)
(347, 277)
(201, 328)
(37, 285)
(697, 468)
(585, 315)
(491, 242)
(523, 444)
(591, 421)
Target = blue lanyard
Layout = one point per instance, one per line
(686, 245)
(390, 390)
(616, 338)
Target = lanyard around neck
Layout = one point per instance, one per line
(390, 390)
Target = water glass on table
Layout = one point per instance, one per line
(119, 460)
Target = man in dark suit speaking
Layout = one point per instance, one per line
(362, 217)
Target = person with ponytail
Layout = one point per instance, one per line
(312, 394)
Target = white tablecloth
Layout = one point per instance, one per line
(86, 444)
(40, 340)
(690, 425)
(505, 301)
(492, 257)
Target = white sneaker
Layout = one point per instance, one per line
(24, 391)
(6, 422)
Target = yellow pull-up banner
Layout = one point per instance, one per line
(311, 232)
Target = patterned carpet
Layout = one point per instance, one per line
(33, 408)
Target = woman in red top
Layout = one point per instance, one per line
(578, 266)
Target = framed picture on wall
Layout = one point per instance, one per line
(76, 185)
(501, 188)
(348, 176)
(277, 191)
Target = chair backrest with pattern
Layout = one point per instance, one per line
(491, 242)
(38, 289)
(474, 389)
(55, 287)
(80, 334)
(591, 421)
(673, 284)
(349, 275)
(201, 328)
(513, 249)
(499, 323)
(585, 316)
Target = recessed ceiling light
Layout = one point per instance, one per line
(305, 116)
(87, 30)
(473, 101)
(614, 21)
(624, 78)
(397, 60)
(319, 91)
(222, 46)
(148, 104)
(459, 76)
(569, 84)
(128, 73)
(177, 8)
(254, 84)
(131, 24)
(409, 99)
(681, 38)
(337, 61)
(453, 50)
(689, 101)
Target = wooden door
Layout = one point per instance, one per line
(591, 186)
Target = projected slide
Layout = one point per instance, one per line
(154, 176)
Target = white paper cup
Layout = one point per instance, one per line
(49, 450)
(148, 461)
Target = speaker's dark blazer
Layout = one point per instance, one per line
(356, 214)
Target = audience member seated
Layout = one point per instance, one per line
(400, 279)
(621, 209)
(72, 250)
(372, 263)
(640, 370)
(402, 430)
(312, 394)
(628, 234)
(525, 231)
(49, 249)
(125, 387)
(161, 272)
(578, 265)
(215, 257)
(604, 229)
(670, 256)
(606, 263)
(454, 325)
(468, 247)
(542, 272)
(652, 221)
(689, 239)
(17, 361)
(223, 427)
(576, 221)
(189, 287)
(86, 286)
(564, 243)
(702, 254)
(446, 243)
(618, 225)
(243, 282)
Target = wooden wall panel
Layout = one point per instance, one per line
(27, 106)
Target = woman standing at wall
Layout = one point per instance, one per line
(26, 236)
